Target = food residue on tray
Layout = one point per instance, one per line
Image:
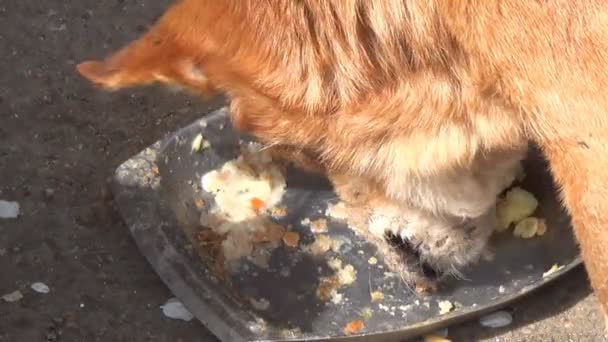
(324, 243)
(353, 327)
(338, 211)
(321, 245)
(377, 296)
(199, 203)
(367, 313)
(278, 211)
(246, 186)
(244, 189)
(291, 239)
(445, 306)
(329, 286)
(346, 275)
(316, 226)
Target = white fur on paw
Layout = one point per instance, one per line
(379, 224)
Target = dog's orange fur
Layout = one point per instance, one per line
(396, 91)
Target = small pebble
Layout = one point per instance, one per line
(496, 319)
(13, 297)
(49, 193)
(174, 309)
(40, 288)
(9, 209)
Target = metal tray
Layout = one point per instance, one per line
(156, 191)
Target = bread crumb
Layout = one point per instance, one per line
(291, 239)
(326, 288)
(377, 296)
(337, 211)
(199, 203)
(336, 297)
(343, 276)
(317, 226)
(445, 306)
(322, 244)
(347, 275)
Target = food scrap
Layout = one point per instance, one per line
(354, 327)
(327, 288)
(445, 306)
(317, 226)
(529, 227)
(343, 276)
(322, 244)
(256, 204)
(366, 313)
(199, 143)
(337, 211)
(278, 212)
(372, 260)
(244, 189)
(377, 296)
(552, 270)
(245, 186)
(291, 239)
(516, 205)
(199, 203)
(346, 275)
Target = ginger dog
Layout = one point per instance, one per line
(404, 94)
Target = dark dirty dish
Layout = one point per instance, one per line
(156, 191)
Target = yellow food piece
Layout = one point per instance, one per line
(515, 206)
(377, 296)
(199, 143)
(529, 227)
